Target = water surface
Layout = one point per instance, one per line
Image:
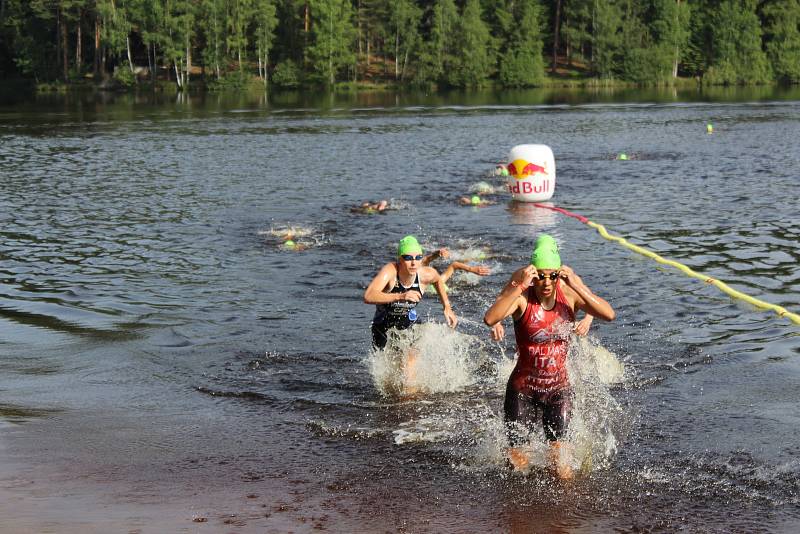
(164, 359)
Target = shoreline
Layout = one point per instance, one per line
(564, 81)
(45, 497)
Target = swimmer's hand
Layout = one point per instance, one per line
(411, 296)
(524, 277)
(569, 276)
(443, 253)
(452, 320)
(498, 332)
(480, 270)
(582, 326)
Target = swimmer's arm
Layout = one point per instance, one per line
(384, 280)
(512, 298)
(458, 266)
(480, 270)
(586, 300)
(436, 254)
(429, 275)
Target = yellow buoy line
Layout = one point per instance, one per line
(725, 288)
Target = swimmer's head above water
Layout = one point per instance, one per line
(545, 253)
(409, 246)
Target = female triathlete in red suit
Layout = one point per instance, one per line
(542, 298)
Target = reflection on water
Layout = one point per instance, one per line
(157, 336)
(19, 414)
(132, 105)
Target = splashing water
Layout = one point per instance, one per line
(284, 230)
(598, 422)
(303, 236)
(440, 361)
(484, 188)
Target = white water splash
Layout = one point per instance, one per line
(288, 230)
(303, 236)
(441, 355)
(448, 362)
(595, 425)
(597, 417)
(485, 188)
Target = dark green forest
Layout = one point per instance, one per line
(443, 43)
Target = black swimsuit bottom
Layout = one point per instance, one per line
(552, 412)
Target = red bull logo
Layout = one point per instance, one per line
(519, 169)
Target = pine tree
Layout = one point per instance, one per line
(470, 65)
(575, 28)
(334, 37)
(606, 37)
(737, 54)
(522, 64)
(404, 17)
(440, 47)
(782, 37)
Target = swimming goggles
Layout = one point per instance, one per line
(409, 257)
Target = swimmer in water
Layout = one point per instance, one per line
(371, 208)
(395, 291)
(290, 244)
(454, 266)
(474, 200)
(542, 298)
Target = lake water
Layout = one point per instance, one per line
(166, 365)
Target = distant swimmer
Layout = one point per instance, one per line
(289, 243)
(543, 308)
(454, 266)
(482, 188)
(371, 208)
(396, 290)
(474, 200)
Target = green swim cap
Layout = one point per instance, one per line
(475, 200)
(545, 253)
(409, 245)
(623, 156)
(289, 243)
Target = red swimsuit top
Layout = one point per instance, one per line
(542, 341)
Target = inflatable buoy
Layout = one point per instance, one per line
(531, 173)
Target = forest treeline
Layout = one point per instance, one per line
(449, 43)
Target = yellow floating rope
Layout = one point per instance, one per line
(725, 288)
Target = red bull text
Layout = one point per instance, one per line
(527, 188)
